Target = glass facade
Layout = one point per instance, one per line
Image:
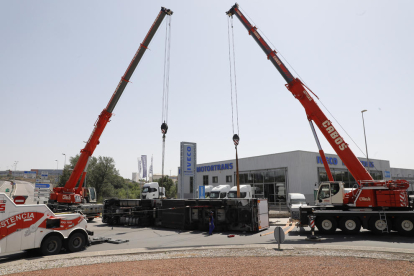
(345, 176)
(270, 184)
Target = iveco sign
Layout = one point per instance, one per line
(330, 160)
(219, 167)
(334, 161)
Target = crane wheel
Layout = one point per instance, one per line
(350, 225)
(405, 226)
(378, 226)
(326, 225)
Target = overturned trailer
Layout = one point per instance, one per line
(251, 215)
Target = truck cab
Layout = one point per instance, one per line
(330, 193)
(219, 191)
(246, 191)
(294, 202)
(89, 194)
(152, 190)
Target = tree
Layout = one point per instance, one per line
(170, 188)
(103, 176)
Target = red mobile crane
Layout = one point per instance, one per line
(387, 202)
(69, 194)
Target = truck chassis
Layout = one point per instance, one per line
(250, 215)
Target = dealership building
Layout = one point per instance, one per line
(276, 175)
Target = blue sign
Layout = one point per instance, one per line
(387, 174)
(330, 160)
(371, 164)
(189, 160)
(201, 192)
(42, 185)
(219, 167)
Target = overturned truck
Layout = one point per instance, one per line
(250, 215)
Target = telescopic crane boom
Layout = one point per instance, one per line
(313, 112)
(68, 194)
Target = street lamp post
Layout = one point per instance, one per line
(57, 164)
(64, 164)
(366, 146)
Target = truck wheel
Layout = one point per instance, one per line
(378, 226)
(405, 226)
(51, 245)
(350, 225)
(76, 242)
(326, 225)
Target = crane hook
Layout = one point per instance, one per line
(236, 139)
(164, 128)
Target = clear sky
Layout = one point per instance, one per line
(60, 62)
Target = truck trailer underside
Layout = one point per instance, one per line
(250, 215)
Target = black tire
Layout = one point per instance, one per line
(350, 225)
(405, 226)
(378, 226)
(51, 245)
(326, 225)
(90, 219)
(76, 242)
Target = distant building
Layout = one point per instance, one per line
(135, 176)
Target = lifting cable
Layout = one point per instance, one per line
(236, 137)
(165, 90)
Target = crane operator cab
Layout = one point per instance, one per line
(330, 193)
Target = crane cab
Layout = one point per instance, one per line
(330, 193)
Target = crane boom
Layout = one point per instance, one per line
(67, 194)
(313, 112)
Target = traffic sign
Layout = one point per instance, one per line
(42, 185)
(279, 236)
(42, 181)
(19, 199)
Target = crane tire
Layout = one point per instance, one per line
(76, 242)
(405, 226)
(378, 226)
(350, 225)
(51, 245)
(326, 225)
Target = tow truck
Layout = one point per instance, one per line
(24, 227)
(379, 206)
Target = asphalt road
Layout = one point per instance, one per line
(157, 238)
(24, 188)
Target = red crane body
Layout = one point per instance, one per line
(68, 193)
(315, 114)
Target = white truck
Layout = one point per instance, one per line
(219, 191)
(294, 202)
(152, 190)
(24, 227)
(246, 191)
